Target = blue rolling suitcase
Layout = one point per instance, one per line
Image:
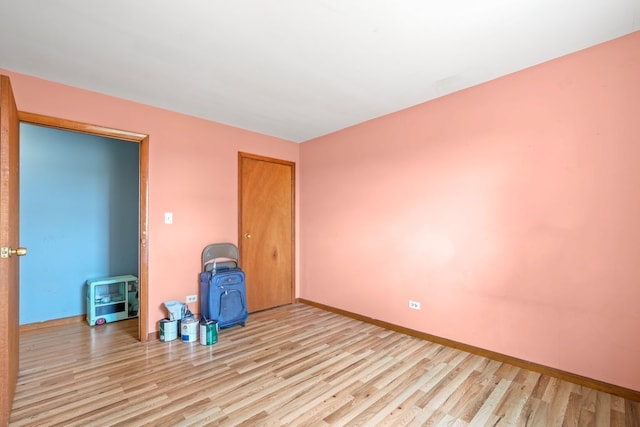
(223, 295)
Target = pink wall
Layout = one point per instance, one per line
(510, 210)
(192, 173)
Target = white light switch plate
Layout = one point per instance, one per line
(168, 218)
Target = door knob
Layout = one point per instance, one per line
(8, 252)
(247, 235)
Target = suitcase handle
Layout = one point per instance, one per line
(214, 264)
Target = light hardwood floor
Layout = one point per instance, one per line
(294, 365)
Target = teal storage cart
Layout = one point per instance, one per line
(111, 299)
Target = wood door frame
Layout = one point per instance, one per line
(244, 155)
(143, 202)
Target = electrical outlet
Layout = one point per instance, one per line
(192, 298)
(414, 305)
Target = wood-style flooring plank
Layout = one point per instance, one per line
(294, 365)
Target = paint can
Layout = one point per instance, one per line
(208, 332)
(168, 329)
(189, 328)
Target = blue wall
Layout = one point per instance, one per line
(78, 217)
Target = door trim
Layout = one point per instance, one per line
(243, 155)
(143, 170)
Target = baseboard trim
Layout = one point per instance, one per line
(53, 323)
(536, 367)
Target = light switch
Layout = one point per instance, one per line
(168, 217)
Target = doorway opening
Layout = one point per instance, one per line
(141, 183)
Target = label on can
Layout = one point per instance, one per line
(208, 332)
(189, 330)
(168, 330)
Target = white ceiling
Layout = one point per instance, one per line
(295, 69)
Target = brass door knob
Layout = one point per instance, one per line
(18, 251)
(8, 252)
(247, 235)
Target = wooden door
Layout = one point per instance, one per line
(9, 268)
(266, 227)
